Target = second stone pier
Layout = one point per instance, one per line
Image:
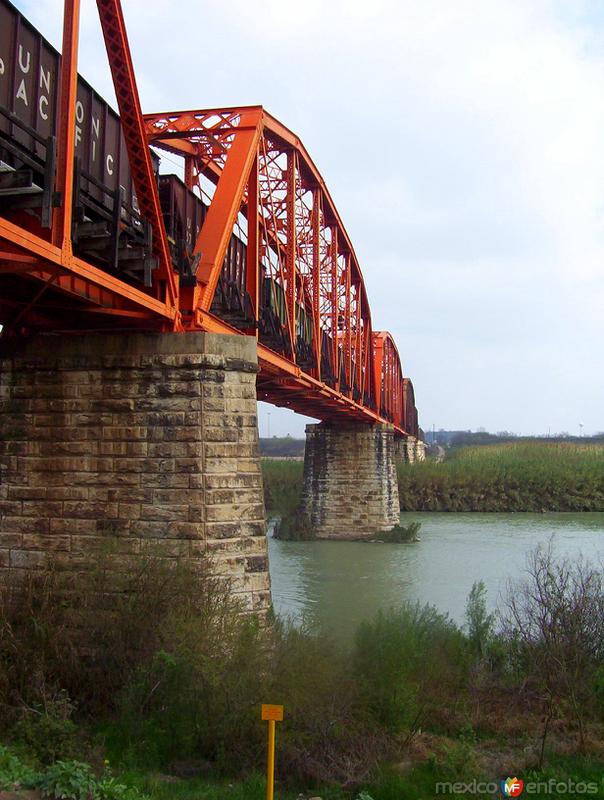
(350, 486)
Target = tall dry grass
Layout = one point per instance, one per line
(508, 477)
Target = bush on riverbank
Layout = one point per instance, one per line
(283, 481)
(176, 675)
(512, 477)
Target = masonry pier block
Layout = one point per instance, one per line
(420, 450)
(350, 486)
(145, 442)
(405, 449)
(409, 450)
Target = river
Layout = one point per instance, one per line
(338, 584)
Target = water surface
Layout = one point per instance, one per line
(340, 583)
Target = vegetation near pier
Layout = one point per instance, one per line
(283, 481)
(529, 476)
(536, 476)
(158, 695)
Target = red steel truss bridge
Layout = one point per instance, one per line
(246, 240)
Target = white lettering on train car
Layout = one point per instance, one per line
(79, 112)
(44, 84)
(109, 165)
(24, 67)
(1, 67)
(45, 79)
(22, 91)
(96, 132)
(79, 109)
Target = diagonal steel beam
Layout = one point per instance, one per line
(133, 126)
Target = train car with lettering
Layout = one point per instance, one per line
(108, 229)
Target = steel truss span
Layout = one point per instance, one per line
(246, 240)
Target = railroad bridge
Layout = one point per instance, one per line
(144, 313)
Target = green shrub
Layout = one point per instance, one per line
(200, 697)
(327, 736)
(401, 534)
(75, 780)
(68, 780)
(14, 773)
(283, 482)
(412, 664)
(37, 653)
(47, 730)
(109, 788)
(294, 527)
(199, 692)
(480, 624)
(84, 638)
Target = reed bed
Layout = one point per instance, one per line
(534, 477)
(282, 485)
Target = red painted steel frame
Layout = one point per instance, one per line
(262, 181)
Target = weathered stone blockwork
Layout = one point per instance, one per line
(410, 450)
(147, 441)
(350, 486)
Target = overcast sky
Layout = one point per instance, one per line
(463, 143)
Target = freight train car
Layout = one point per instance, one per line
(108, 229)
(184, 214)
(274, 329)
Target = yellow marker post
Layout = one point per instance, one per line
(271, 714)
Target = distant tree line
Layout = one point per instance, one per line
(480, 437)
(282, 447)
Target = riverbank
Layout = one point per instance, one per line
(165, 699)
(531, 477)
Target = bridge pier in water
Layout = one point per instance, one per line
(144, 443)
(350, 486)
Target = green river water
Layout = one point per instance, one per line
(338, 584)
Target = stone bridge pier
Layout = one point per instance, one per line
(147, 443)
(410, 450)
(350, 486)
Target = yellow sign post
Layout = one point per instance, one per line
(271, 714)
